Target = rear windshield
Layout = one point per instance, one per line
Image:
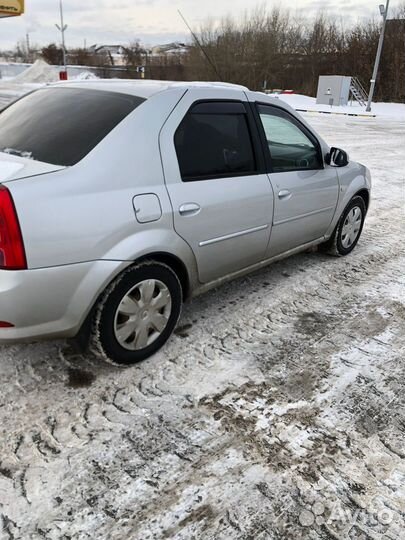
(62, 125)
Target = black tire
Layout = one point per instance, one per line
(335, 245)
(103, 337)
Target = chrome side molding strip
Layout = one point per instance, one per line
(233, 235)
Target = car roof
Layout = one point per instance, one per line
(146, 88)
(142, 88)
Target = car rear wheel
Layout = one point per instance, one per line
(136, 314)
(349, 228)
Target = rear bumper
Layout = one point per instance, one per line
(51, 302)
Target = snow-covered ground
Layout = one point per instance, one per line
(306, 103)
(276, 412)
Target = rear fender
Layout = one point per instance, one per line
(159, 240)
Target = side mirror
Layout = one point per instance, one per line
(337, 157)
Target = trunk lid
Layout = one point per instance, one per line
(15, 167)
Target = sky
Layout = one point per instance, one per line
(152, 21)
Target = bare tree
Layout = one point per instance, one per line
(133, 54)
(52, 54)
(291, 53)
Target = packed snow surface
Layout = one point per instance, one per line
(276, 412)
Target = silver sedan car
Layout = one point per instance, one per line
(121, 199)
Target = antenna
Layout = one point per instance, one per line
(211, 63)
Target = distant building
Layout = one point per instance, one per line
(170, 49)
(116, 53)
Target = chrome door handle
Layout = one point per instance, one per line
(284, 194)
(189, 209)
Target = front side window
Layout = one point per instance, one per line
(291, 148)
(213, 141)
(62, 125)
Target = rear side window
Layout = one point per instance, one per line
(213, 141)
(62, 125)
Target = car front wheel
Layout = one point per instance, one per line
(137, 313)
(349, 228)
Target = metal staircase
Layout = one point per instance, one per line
(358, 92)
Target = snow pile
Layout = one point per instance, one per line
(85, 76)
(39, 72)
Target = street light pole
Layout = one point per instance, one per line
(62, 27)
(384, 13)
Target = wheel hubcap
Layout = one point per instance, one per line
(142, 314)
(351, 227)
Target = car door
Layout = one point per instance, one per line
(215, 175)
(305, 188)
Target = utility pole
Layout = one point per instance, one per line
(384, 13)
(27, 40)
(62, 27)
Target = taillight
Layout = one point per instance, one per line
(12, 252)
(4, 324)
